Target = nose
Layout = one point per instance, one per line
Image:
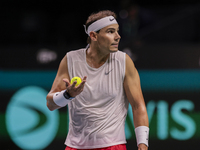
(117, 36)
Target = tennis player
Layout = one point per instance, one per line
(98, 107)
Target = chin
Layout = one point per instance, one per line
(113, 50)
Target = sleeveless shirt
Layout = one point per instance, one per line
(97, 115)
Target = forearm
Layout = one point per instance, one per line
(50, 103)
(141, 127)
(134, 94)
(140, 117)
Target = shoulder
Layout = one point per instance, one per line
(75, 54)
(123, 57)
(129, 61)
(130, 67)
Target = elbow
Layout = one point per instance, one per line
(50, 107)
(139, 110)
(49, 104)
(138, 107)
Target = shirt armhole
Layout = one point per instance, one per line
(124, 65)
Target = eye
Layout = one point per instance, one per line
(110, 31)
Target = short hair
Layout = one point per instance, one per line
(96, 16)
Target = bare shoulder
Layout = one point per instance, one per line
(62, 73)
(130, 67)
(63, 65)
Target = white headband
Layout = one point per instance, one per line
(101, 23)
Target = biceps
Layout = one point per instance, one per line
(133, 91)
(58, 84)
(132, 85)
(62, 73)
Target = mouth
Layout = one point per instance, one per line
(115, 44)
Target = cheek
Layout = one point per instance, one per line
(107, 40)
(103, 41)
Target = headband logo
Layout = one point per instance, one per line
(112, 19)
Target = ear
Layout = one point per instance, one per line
(93, 36)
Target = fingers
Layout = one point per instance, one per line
(66, 82)
(73, 85)
(83, 81)
(74, 90)
(85, 77)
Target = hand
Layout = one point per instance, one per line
(72, 89)
(142, 147)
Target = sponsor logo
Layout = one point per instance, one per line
(29, 122)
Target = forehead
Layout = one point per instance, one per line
(112, 26)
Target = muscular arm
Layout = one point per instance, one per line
(61, 82)
(134, 94)
(58, 84)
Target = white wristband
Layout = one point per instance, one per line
(59, 99)
(142, 135)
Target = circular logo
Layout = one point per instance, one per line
(29, 122)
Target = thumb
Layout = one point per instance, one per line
(66, 82)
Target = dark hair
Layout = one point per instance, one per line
(96, 16)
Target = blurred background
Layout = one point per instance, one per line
(161, 37)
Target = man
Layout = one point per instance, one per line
(98, 107)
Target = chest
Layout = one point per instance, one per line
(102, 83)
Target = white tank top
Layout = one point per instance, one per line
(97, 115)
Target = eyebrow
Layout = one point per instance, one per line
(112, 29)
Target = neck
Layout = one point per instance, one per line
(95, 57)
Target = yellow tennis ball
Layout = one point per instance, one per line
(78, 79)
